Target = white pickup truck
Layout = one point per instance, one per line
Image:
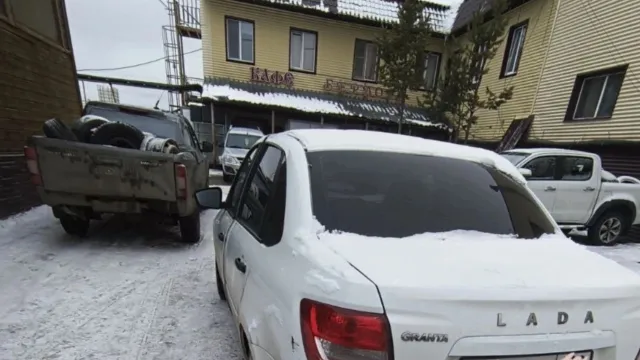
(579, 193)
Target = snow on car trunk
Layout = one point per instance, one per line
(442, 287)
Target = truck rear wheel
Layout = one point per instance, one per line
(190, 228)
(75, 226)
(608, 229)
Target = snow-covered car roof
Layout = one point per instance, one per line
(245, 131)
(332, 139)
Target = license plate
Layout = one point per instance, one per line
(586, 354)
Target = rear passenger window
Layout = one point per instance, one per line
(260, 189)
(576, 168)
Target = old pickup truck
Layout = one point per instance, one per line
(81, 181)
(579, 193)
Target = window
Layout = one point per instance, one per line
(430, 65)
(361, 192)
(513, 51)
(273, 224)
(365, 61)
(595, 95)
(260, 188)
(542, 168)
(45, 21)
(302, 50)
(240, 40)
(241, 178)
(479, 67)
(514, 157)
(576, 168)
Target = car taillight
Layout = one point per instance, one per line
(181, 181)
(333, 333)
(31, 157)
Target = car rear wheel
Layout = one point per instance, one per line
(75, 226)
(190, 228)
(608, 229)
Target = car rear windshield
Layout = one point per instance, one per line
(160, 127)
(396, 195)
(241, 141)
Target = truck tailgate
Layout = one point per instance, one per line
(104, 171)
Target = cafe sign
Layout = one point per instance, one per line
(265, 76)
(357, 90)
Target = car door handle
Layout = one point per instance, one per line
(589, 188)
(240, 265)
(221, 236)
(550, 188)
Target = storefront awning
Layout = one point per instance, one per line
(227, 90)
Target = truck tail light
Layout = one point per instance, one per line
(31, 157)
(181, 181)
(333, 333)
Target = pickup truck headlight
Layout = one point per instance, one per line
(230, 160)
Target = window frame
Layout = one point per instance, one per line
(504, 73)
(226, 39)
(578, 87)
(63, 43)
(563, 158)
(556, 170)
(423, 68)
(315, 55)
(243, 194)
(233, 210)
(483, 62)
(377, 62)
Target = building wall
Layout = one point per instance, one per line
(493, 124)
(590, 36)
(336, 40)
(37, 82)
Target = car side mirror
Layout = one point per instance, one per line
(525, 172)
(206, 146)
(210, 198)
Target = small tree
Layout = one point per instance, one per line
(456, 99)
(400, 49)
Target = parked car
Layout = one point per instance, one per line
(83, 180)
(347, 244)
(236, 144)
(579, 193)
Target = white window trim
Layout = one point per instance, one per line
(367, 46)
(475, 80)
(604, 86)
(240, 22)
(302, 48)
(424, 71)
(518, 50)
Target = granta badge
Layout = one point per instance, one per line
(411, 336)
(562, 318)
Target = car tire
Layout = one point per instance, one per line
(190, 228)
(119, 135)
(56, 129)
(75, 226)
(220, 286)
(84, 127)
(608, 229)
(227, 178)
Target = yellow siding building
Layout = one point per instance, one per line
(308, 61)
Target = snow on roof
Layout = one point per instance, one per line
(384, 11)
(303, 101)
(331, 139)
(544, 150)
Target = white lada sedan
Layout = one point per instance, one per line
(352, 245)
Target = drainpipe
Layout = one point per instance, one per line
(546, 56)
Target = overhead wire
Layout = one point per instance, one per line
(140, 64)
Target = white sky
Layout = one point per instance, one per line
(117, 33)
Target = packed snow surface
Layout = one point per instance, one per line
(129, 291)
(331, 139)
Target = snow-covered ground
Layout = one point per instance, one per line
(126, 292)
